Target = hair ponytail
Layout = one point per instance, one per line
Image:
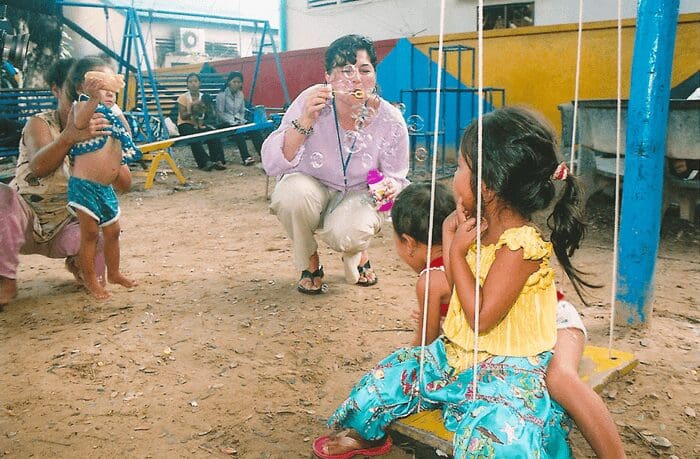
(568, 229)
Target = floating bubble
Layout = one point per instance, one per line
(349, 71)
(369, 112)
(342, 85)
(421, 154)
(387, 149)
(402, 107)
(316, 159)
(351, 138)
(397, 129)
(415, 123)
(359, 117)
(367, 160)
(355, 148)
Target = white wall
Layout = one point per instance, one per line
(382, 19)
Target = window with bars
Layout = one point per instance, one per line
(509, 15)
(320, 3)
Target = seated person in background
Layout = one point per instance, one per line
(231, 108)
(192, 108)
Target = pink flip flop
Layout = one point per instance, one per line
(320, 442)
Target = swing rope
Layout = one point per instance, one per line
(616, 229)
(574, 124)
(438, 88)
(616, 225)
(479, 149)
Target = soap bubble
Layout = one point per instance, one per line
(316, 159)
(397, 129)
(421, 154)
(368, 112)
(415, 123)
(350, 138)
(342, 85)
(402, 107)
(367, 160)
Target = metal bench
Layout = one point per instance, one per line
(16, 107)
(597, 144)
(157, 151)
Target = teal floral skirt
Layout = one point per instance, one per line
(511, 416)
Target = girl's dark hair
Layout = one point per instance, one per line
(230, 77)
(518, 161)
(411, 211)
(193, 74)
(77, 72)
(58, 72)
(344, 50)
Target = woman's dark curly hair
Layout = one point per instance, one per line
(410, 214)
(57, 74)
(344, 50)
(519, 158)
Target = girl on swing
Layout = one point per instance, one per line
(512, 414)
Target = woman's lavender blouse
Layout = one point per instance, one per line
(383, 145)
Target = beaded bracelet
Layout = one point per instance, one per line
(303, 131)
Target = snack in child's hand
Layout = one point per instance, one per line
(110, 81)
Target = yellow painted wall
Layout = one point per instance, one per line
(537, 65)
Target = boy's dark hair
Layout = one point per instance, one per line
(343, 51)
(518, 161)
(410, 214)
(77, 72)
(193, 74)
(57, 74)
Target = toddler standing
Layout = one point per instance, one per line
(98, 164)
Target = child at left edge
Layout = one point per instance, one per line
(98, 165)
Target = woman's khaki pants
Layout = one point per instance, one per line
(306, 208)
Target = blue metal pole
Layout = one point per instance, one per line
(647, 117)
(283, 26)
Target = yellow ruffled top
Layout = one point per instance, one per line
(529, 328)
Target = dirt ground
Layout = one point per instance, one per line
(215, 354)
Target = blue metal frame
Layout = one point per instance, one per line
(134, 42)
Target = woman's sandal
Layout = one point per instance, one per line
(364, 271)
(306, 274)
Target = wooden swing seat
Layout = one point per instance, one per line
(425, 431)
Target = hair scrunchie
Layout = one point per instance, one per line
(561, 172)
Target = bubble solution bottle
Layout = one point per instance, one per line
(375, 180)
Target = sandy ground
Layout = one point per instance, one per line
(215, 354)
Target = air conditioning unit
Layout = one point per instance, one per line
(191, 40)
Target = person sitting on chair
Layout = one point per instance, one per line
(231, 109)
(192, 108)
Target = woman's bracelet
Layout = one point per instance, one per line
(303, 131)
